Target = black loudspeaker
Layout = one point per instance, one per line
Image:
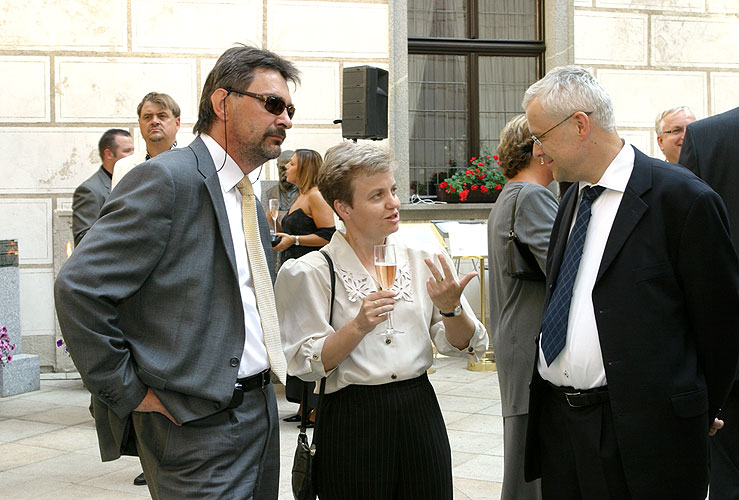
(364, 103)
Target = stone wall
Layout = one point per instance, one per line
(70, 69)
(651, 55)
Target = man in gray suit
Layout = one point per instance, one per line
(89, 196)
(159, 308)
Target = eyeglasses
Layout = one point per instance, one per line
(537, 140)
(676, 131)
(272, 103)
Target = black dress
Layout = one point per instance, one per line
(299, 223)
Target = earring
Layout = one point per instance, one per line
(541, 161)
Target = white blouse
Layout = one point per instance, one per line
(303, 291)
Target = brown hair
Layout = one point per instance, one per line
(516, 145)
(309, 163)
(163, 100)
(235, 69)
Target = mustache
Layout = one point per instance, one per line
(275, 131)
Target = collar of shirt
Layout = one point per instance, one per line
(617, 173)
(254, 357)
(230, 174)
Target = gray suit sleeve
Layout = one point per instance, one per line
(119, 254)
(535, 213)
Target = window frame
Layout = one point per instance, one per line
(472, 49)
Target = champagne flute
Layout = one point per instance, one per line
(274, 210)
(385, 267)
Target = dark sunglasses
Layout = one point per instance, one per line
(272, 103)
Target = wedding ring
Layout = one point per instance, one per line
(439, 280)
(374, 303)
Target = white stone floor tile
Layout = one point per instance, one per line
(66, 439)
(14, 429)
(16, 455)
(23, 487)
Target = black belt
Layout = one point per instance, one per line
(258, 381)
(576, 398)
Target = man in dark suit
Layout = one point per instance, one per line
(167, 307)
(89, 196)
(710, 150)
(638, 347)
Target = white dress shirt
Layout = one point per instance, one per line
(302, 292)
(254, 358)
(580, 364)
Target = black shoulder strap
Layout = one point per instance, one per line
(512, 233)
(305, 414)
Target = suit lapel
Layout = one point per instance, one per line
(213, 185)
(630, 211)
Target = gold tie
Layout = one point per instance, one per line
(262, 281)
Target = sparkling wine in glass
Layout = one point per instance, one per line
(385, 266)
(274, 210)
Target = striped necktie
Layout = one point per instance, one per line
(554, 322)
(262, 281)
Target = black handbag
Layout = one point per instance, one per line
(303, 483)
(522, 264)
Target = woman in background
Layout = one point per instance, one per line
(307, 226)
(516, 304)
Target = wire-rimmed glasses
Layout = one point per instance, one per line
(537, 139)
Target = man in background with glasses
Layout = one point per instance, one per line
(638, 345)
(670, 127)
(167, 309)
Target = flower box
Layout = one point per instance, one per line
(478, 182)
(473, 196)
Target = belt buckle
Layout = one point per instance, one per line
(567, 397)
(263, 379)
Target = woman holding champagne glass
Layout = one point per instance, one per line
(309, 223)
(307, 226)
(380, 434)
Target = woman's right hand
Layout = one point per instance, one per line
(285, 243)
(374, 307)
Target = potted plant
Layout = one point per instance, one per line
(480, 182)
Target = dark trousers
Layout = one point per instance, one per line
(580, 459)
(385, 442)
(233, 454)
(725, 452)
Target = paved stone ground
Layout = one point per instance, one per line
(48, 446)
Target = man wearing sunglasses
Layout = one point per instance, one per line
(168, 309)
(638, 345)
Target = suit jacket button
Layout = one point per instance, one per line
(234, 362)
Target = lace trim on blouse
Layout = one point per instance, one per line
(359, 285)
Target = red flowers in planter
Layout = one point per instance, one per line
(482, 174)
